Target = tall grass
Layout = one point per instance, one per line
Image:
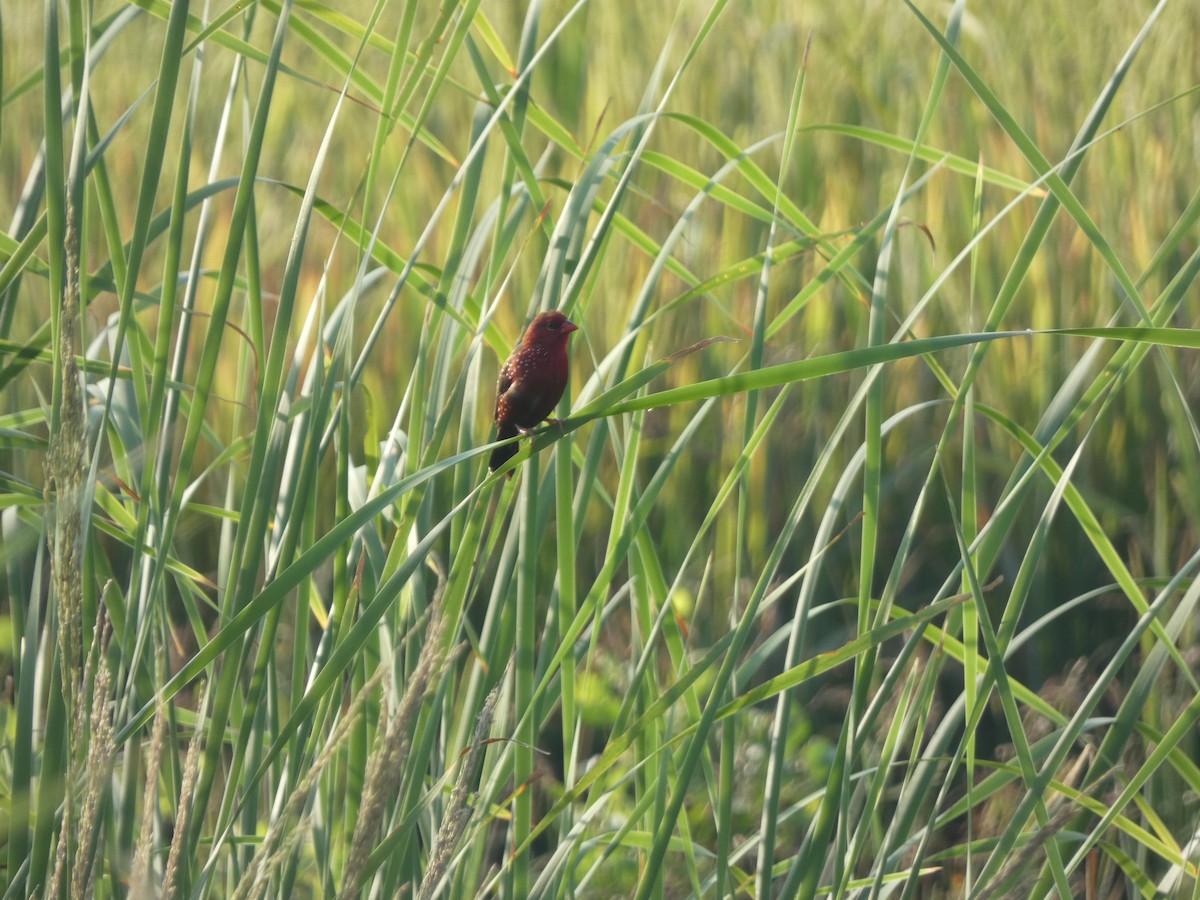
(863, 563)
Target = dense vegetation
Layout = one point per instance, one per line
(864, 560)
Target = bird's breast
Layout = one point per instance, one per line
(536, 364)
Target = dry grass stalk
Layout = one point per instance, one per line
(141, 884)
(458, 814)
(186, 790)
(287, 827)
(101, 750)
(66, 469)
(385, 768)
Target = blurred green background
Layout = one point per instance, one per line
(869, 70)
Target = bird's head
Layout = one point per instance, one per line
(550, 329)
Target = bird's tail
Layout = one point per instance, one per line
(501, 455)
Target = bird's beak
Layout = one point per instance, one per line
(569, 326)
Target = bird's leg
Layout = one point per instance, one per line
(550, 420)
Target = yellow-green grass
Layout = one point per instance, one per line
(798, 613)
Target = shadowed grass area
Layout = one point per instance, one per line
(863, 563)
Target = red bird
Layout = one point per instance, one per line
(531, 381)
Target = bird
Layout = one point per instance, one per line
(531, 381)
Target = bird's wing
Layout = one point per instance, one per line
(504, 383)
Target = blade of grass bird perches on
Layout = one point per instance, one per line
(617, 393)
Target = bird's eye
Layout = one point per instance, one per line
(554, 325)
